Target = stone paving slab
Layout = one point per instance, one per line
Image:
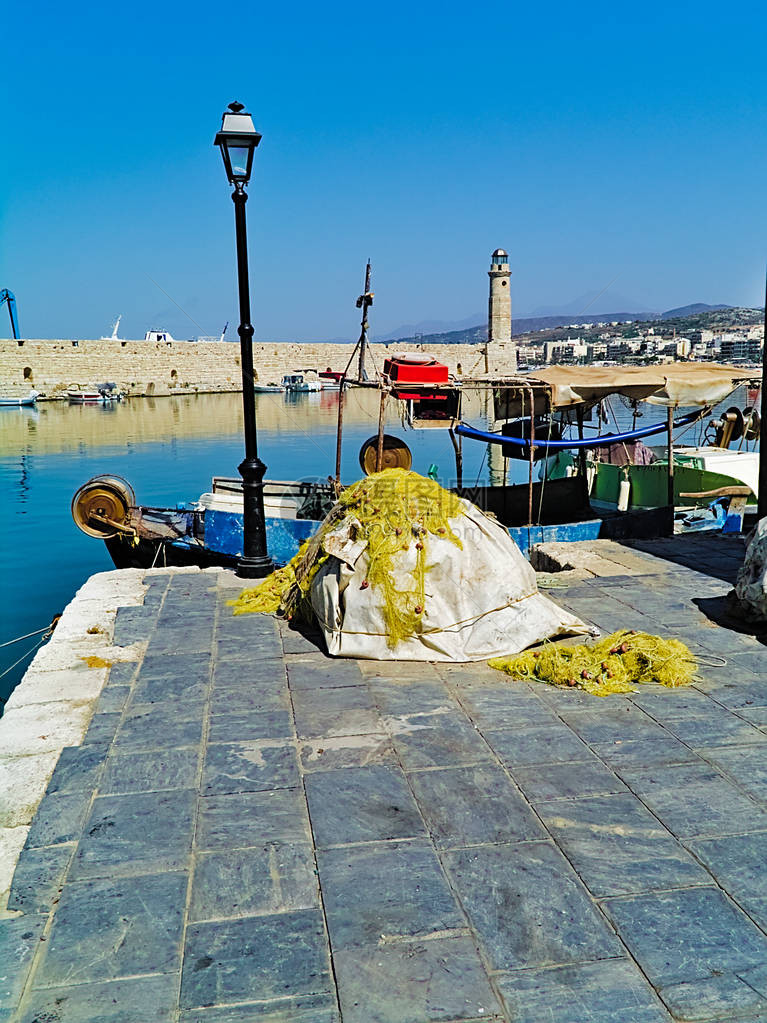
(252, 831)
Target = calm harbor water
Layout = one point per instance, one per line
(169, 448)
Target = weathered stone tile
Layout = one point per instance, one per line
(257, 957)
(740, 692)
(247, 726)
(607, 991)
(122, 673)
(645, 752)
(348, 710)
(504, 706)
(181, 635)
(691, 936)
(361, 804)
(567, 781)
(246, 648)
(19, 941)
(274, 877)
(136, 834)
(439, 979)
(746, 765)
(474, 806)
(388, 890)
(528, 906)
(102, 728)
(665, 704)
(39, 874)
(541, 745)
(261, 673)
(397, 699)
(172, 677)
(136, 1000)
(715, 727)
(617, 846)
(374, 748)
(694, 800)
(246, 819)
(112, 700)
(59, 818)
(299, 642)
(318, 672)
(299, 1009)
(149, 772)
(255, 699)
(158, 727)
(737, 862)
(436, 740)
(249, 767)
(78, 768)
(133, 625)
(113, 928)
(620, 720)
(724, 992)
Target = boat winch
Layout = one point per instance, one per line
(734, 424)
(102, 506)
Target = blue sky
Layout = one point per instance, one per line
(595, 142)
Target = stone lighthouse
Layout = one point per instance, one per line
(500, 350)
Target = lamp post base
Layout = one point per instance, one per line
(254, 568)
(255, 562)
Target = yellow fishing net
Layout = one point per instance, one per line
(391, 510)
(613, 665)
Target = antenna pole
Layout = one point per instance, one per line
(762, 445)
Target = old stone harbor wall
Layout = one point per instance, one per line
(150, 368)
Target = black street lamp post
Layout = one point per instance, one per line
(238, 140)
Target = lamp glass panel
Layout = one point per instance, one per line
(238, 156)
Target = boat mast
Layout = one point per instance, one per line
(364, 302)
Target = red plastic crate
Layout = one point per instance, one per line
(415, 370)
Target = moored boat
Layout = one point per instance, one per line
(270, 388)
(102, 394)
(302, 381)
(24, 401)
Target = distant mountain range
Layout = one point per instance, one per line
(472, 328)
(693, 316)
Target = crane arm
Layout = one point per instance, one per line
(8, 296)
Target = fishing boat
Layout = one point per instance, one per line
(20, 402)
(101, 394)
(331, 380)
(270, 388)
(302, 382)
(209, 530)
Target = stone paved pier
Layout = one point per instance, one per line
(251, 831)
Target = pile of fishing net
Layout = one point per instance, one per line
(402, 569)
(614, 664)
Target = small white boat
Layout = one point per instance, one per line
(27, 400)
(302, 382)
(269, 388)
(103, 394)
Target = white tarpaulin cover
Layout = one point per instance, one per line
(481, 601)
(751, 585)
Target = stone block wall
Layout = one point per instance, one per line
(148, 368)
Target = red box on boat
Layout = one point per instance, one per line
(415, 369)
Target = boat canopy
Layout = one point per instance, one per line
(672, 384)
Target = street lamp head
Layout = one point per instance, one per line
(237, 140)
